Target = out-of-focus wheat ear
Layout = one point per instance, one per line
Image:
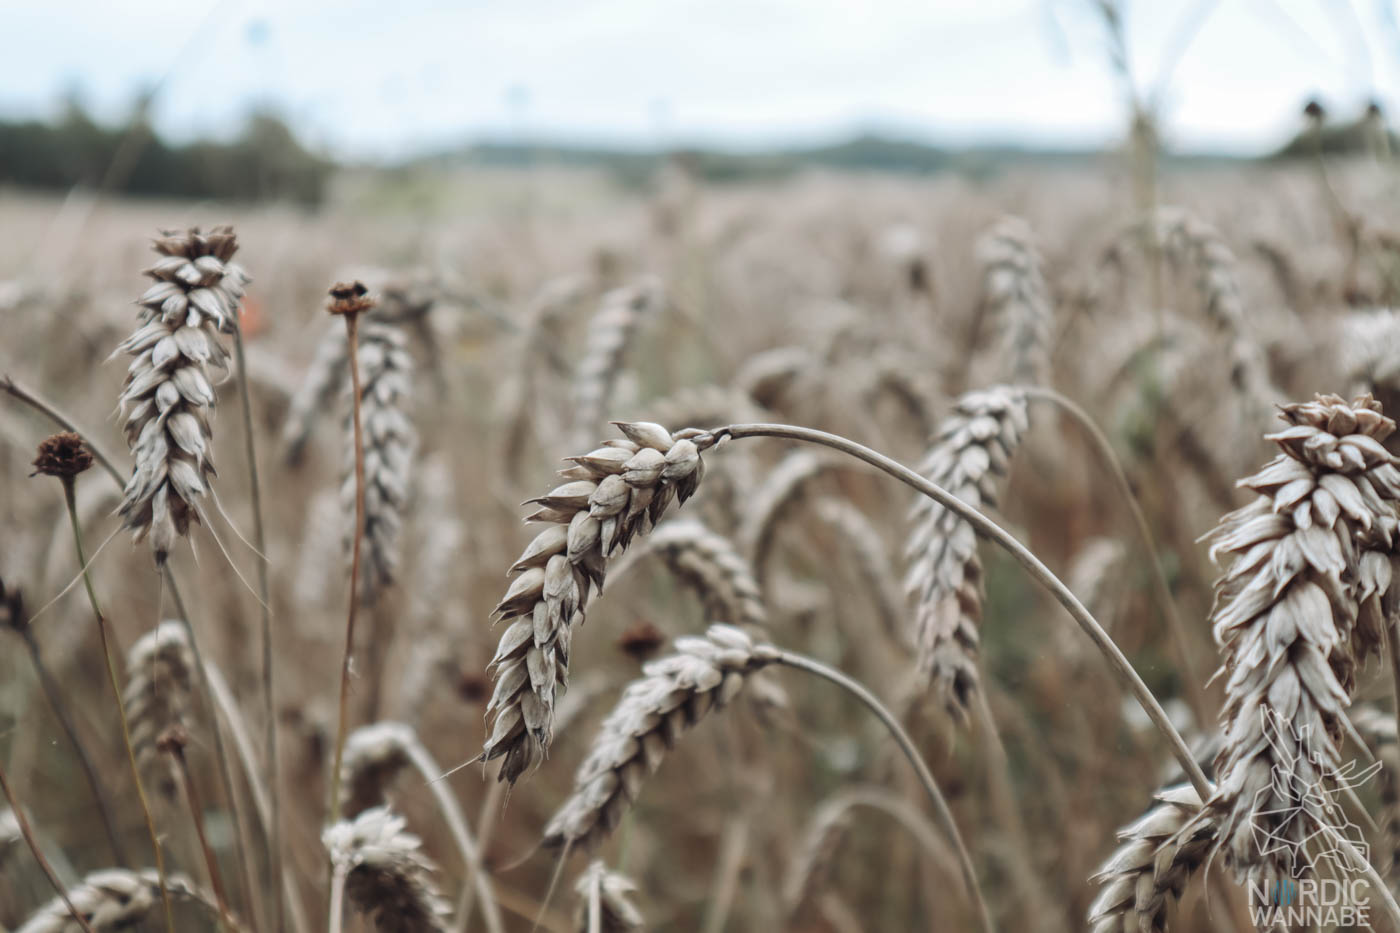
(116, 899)
(705, 406)
(712, 566)
(1368, 350)
(610, 495)
(1297, 612)
(319, 560)
(380, 866)
(386, 379)
(610, 332)
(773, 501)
(167, 400)
(1094, 575)
(1156, 856)
(1191, 240)
(605, 904)
(862, 540)
(969, 458)
(159, 694)
(673, 694)
(319, 388)
(1014, 290)
(375, 755)
(1378, 728)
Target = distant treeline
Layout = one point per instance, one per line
(265, 161)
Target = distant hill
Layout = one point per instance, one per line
(865, 153)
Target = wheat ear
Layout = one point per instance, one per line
(1295, 614)
(115, 899)
(318, 389)
(1014, 290)
(379, 864)
(610, 495)
(609, 333)
(167, 399)
(944, 580)
(375, 755)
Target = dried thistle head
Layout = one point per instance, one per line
(387, 876)
(63, 455)
(349, 298)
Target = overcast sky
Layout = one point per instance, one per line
(382, 79)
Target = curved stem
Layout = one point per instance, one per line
(44, 407)
(211, 864)
(1111, 462)
(1038, 571)
(39, 856)
(352, 338)
(70, 500)
(274, 827)
(906, 745)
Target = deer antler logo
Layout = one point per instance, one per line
(1300, 778)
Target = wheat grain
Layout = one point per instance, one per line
(386, 875)
(386, 375)
(969, 457)
(675, 692)
(167, 399)
(610, 495)
(605, 904)
(114, 899)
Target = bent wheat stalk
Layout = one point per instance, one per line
(22, 822)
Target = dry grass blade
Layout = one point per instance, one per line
(609, 496)
(167, 399)
(386, 376)
(384, 873)
(1014, 290)
(969, 458)
(605, 904)
(1156, 856)
(1296, 613)
(675, 693)
(114, 899)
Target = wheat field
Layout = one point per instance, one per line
(807, 696)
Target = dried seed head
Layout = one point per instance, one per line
(167, 398)
(969, 458)
(610, 891)
(62, 455)
(641, 640)
(375, 755)
(349, 298)
(1314, 112)
(1014, 290)
(610, 496)
(387, 877)
(673, 694)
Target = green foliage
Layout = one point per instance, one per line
(265, 161)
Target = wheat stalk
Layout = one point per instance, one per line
(114, 899)
(969, 457)
(604, 902)
(610, 495)
(379, 865)
(167, 399)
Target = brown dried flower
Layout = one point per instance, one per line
(62, 455)
(349, 298)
